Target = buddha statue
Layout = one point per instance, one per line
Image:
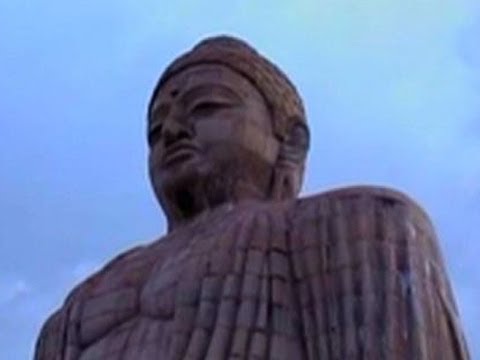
(247, 269)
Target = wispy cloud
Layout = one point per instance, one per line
(10, 291)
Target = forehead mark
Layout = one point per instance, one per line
(204, 72)
(210, 77)
(212, 91)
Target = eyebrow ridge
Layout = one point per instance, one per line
(160, 109)
(208, 89)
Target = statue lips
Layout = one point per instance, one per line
(178, 151)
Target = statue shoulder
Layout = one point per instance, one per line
(50, 335)
(125, 271)
(347, 200)
(119, 262)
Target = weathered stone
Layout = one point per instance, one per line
(248, 270)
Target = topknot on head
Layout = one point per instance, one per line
(225, 41)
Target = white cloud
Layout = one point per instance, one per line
(13, 290)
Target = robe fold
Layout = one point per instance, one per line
(354, 273)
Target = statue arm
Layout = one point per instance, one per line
(372, 278)
(58, 338)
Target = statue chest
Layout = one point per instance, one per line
(212, 292)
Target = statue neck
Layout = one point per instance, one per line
(188, 204)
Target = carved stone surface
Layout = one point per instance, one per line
(246, 269)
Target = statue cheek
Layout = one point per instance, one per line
(215, 129)
(154, 175)
(154, 157)
(240, 132)
(154, 170)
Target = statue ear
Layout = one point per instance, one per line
(295, 146)
(288, 172)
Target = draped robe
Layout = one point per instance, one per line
(354, 273)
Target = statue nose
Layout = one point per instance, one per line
(175, 130)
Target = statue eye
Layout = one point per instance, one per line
(154, 134)
(207, 108)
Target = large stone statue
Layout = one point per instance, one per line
(247, 270)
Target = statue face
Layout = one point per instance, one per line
(211, 139)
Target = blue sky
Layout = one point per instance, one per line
(392, 91)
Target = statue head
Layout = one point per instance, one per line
(224, 125)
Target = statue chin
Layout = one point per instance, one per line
(187, 189)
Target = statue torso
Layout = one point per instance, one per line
(259, 280)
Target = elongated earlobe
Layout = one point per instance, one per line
(286, 183)
(288, 173)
